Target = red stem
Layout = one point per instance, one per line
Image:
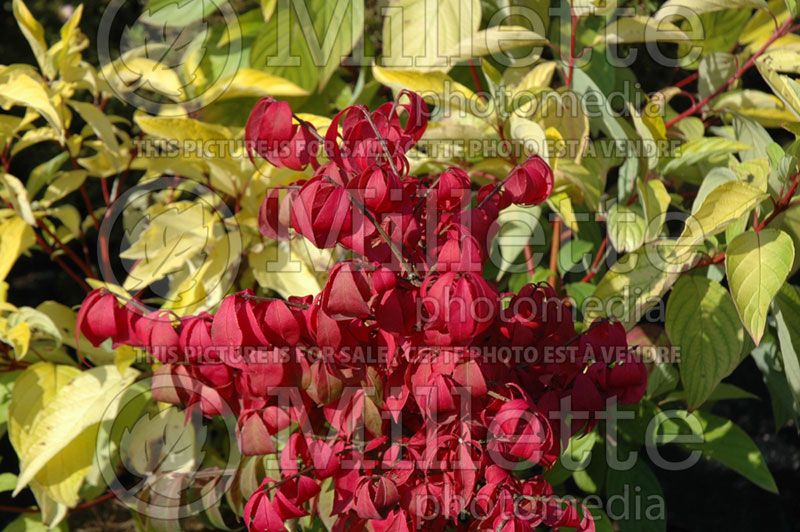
(18, 510)
(784, 203)
(74, 256)
(529, 260)
(106, 195)
(61, 263)
(596, 262)
(84, 506)
(477, 80)
(736, 75)
(95, 502)
(572, 37)
(554, 248)
(89, 207)
(685, 81)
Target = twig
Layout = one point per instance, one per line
(780, 32)
(596, 261)
(555, 244)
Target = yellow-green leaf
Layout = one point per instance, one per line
(704, 149)
(34, 33)
(251, 83)
(640, 29)
(701, 322)
(784, 87)
(81, 404)
(417, 32)
(721, 207)
(432, 86)
(529, 134)
(99, 122)
(757, 264)
(33, 391)
(787, 319)
(538, 77)
(126, 356)
(18, 196)
(655, 200)
(494, 41)
(63, 185)
(64, 318)
(704, 6)
(285, 271)
(19, 336)
(636, 282)
(132, 71)
(16, 237)
(21, 88)
(626, 227)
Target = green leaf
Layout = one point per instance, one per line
(579, 292)
(32, 523)
(338, 25)
(720, 208)
(626, 227)
(701, 321)
(641, 481)
(589, 177)
(574, 458)
(160, 13)
(757, 264)
(43, 173)
(7, 482)
(662, 379)
(575, 252)
(764, 108)
(784, 406)
(281, 48)
(519, 226)
(728, 444)
(614, 127)
(714, 70)
(751, 133)
(724, 391)
(787, 318)
(601, 521)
